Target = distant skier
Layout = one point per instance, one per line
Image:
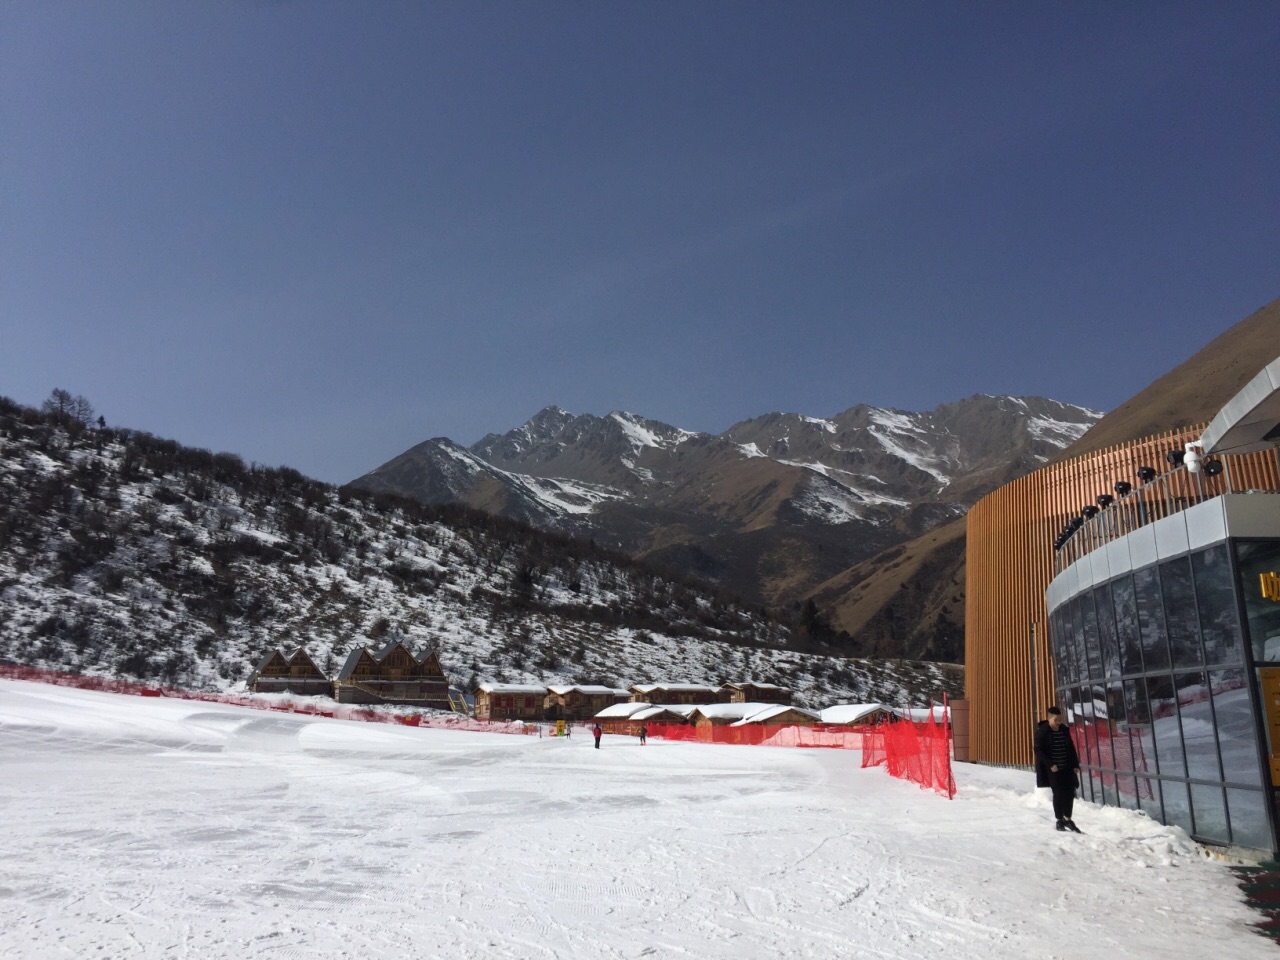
(644, 733)
(596, 732)
(1056, 751)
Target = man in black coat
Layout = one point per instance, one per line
(1056, 752)
(1042, 770)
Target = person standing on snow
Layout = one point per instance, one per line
(596, 732)
(644, 732)
(1056, 751)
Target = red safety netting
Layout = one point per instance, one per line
(919, 752)
(763, 734)
(284, 703)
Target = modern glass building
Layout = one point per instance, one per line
(1164, 622)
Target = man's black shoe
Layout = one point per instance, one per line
(1062, 825)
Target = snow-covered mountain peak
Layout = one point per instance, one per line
(642, 432)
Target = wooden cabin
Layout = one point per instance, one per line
(581, 702)
(509, 701)
(674, 693)
(626, 718)
(752, 692)
(393, 674)
(297, 673)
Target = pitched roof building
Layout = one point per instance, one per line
(581, 702)
(279, 672)
(669, 693)
(393, 674)
(749, 691)
(510, 701)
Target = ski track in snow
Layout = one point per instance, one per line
(164, 828)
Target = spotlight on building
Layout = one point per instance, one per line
(1191, 457)
(1105, 500)
(1123, 487)
(1175, 457)
(1212, 467)
(1146, 474)
(1076, 523)
(1089, 511)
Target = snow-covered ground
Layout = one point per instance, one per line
(164, 828)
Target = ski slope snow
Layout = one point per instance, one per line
(138, 827)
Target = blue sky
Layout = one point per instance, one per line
(318, 233)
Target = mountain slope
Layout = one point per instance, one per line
(771, 508)
(129, 555)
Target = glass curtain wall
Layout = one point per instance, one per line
(1154, 673)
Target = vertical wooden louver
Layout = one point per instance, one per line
(1009, 563)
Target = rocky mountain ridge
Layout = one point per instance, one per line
(771, 508)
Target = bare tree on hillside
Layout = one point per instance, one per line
(64, 405)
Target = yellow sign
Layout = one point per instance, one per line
(1270, 583)
(1270, 677)
(559, 728)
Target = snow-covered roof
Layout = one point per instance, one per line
(921, 714)
(757, 685)
(622, 711)
(764, 716)
(511, 688)
(680, 687)
(590, 690)
(654, 710)
(733, 711)
(846, 713)
(684, 709)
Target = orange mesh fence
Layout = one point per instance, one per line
(762, 734)
(919, 752)
(277, 702)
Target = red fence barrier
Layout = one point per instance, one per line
(284, 703)
(919, 752)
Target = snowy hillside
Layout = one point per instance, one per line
(167, 828)
(124, 554)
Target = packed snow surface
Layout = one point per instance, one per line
(140, 827)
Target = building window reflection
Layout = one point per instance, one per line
(1258, 559)
(1216, 603)
(1248, 812)
(1155, 644)
(1153, 667)
(1210, 813)
(1181, 621)
(1237, 733)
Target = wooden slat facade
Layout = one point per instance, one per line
(1009, 561)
